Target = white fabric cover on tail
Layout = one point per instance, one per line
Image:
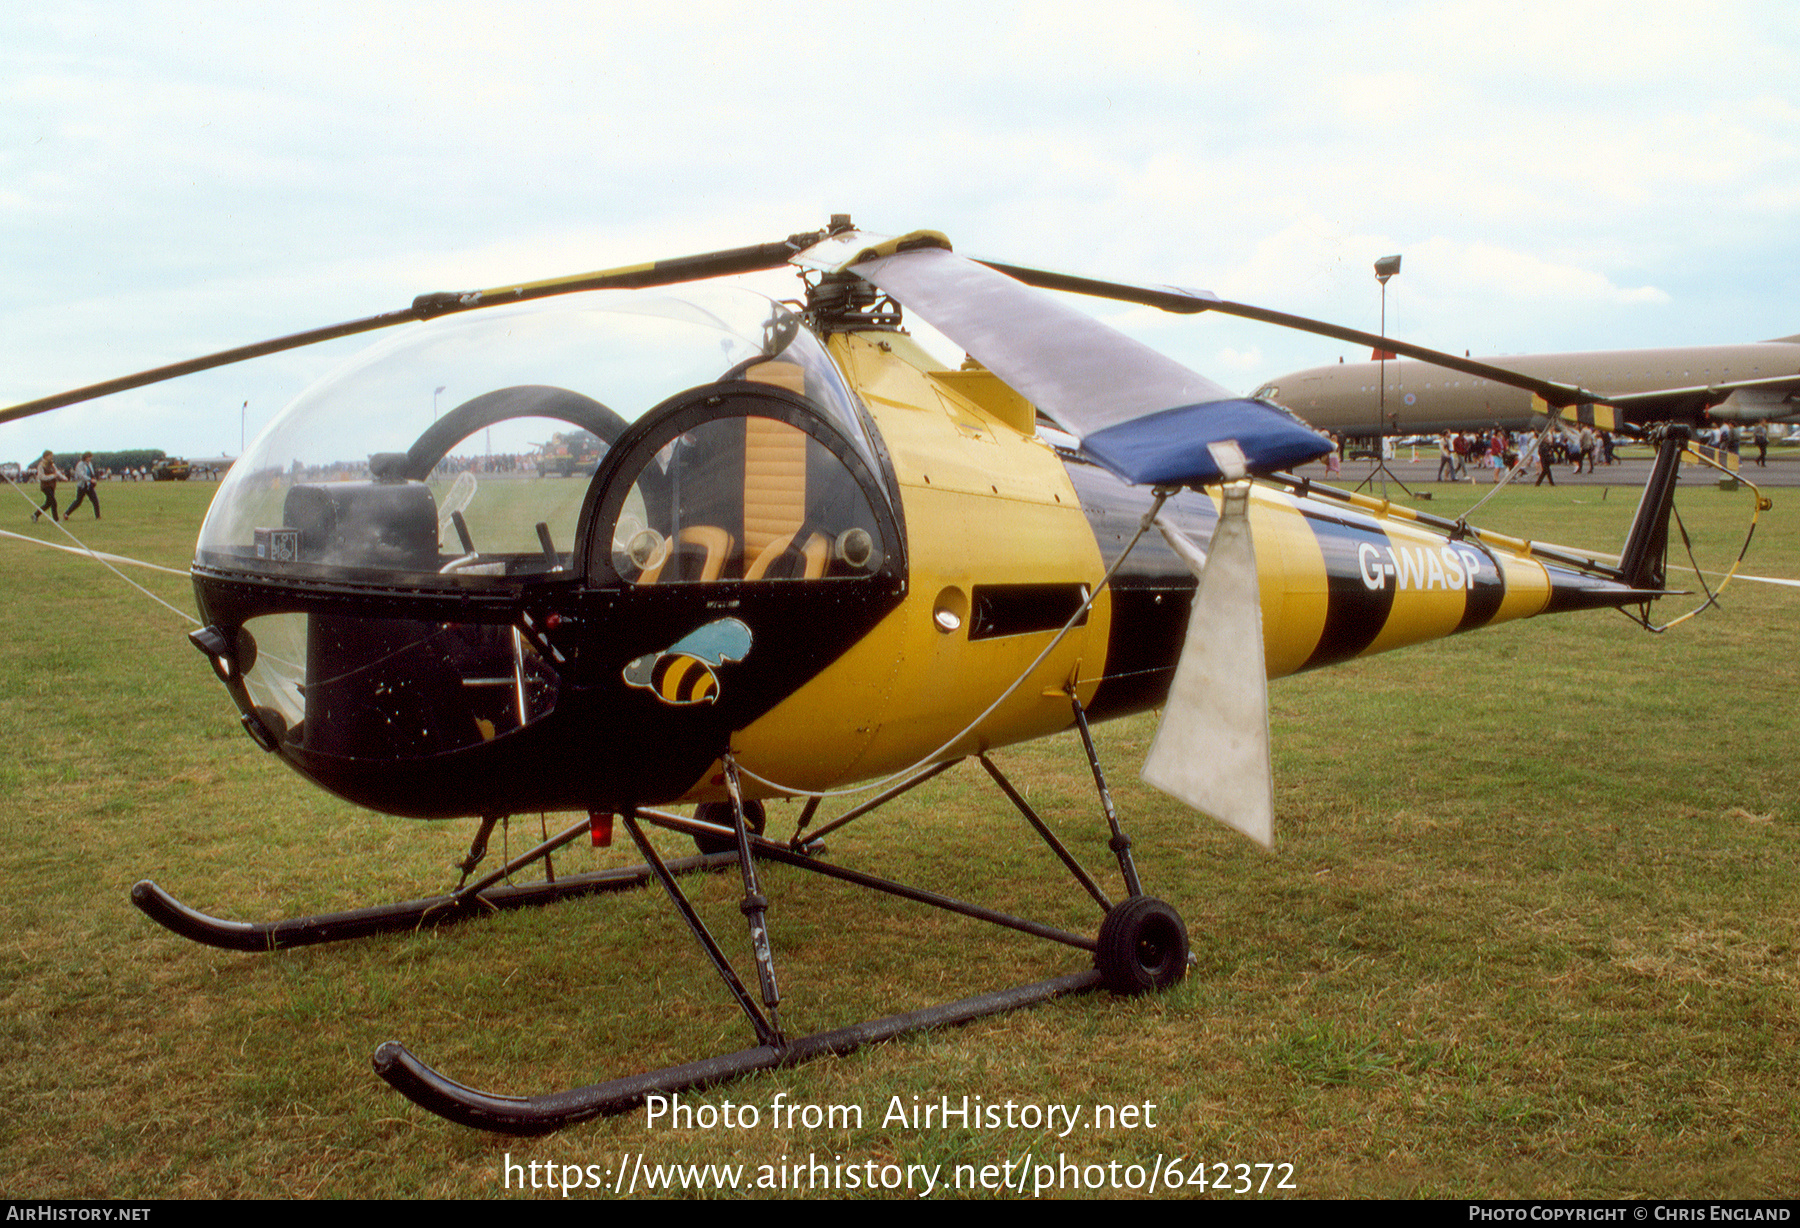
(1212, 747)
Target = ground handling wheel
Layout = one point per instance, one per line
(755, 817)
(1143, 946)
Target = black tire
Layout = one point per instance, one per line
(1143, 946)
(720, 813)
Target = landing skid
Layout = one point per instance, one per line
(491, 893)
(1141, 946)
(466, 1106)
(172, 914)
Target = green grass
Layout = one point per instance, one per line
(1528, 929)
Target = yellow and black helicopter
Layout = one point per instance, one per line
(810, 556)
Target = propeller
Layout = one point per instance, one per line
(1686, 402)
(837, 247)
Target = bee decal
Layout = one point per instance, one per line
(682, 673)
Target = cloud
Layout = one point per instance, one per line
(180, 176)
(1482, 269)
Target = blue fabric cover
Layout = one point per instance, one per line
(1168, 448)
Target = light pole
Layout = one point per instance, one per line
(1386, 267)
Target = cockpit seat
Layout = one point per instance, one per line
(787, 558)
(699, 553)
(774, 486)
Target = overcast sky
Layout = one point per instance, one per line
(179, 178)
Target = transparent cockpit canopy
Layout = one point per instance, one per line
(462, 448)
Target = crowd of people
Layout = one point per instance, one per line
(1498, 451)
(1584, 448)
(1727, 438)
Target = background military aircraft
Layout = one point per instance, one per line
(1735, 383)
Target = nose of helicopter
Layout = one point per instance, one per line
(569, 696)
(729, 547)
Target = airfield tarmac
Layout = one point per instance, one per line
(1783, 469)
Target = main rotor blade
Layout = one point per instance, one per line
(627, 277)
(1189, 302)
(1144, 416)
(223, 358)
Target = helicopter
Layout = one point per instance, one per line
(810, 556)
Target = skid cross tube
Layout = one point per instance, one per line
(700, 829)
(779, 852)
(1056, 846)
(542, 850)
(882, 799)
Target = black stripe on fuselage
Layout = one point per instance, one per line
(1481, 601)
(1354, 612)
(1151, 592)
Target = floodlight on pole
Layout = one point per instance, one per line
(1386, 267)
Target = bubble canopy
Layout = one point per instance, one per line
(458, 451)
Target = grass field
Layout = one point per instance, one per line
(1529, 928)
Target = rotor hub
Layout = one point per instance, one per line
(843, 302)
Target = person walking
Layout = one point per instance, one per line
(84, 479)
(47, 475)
